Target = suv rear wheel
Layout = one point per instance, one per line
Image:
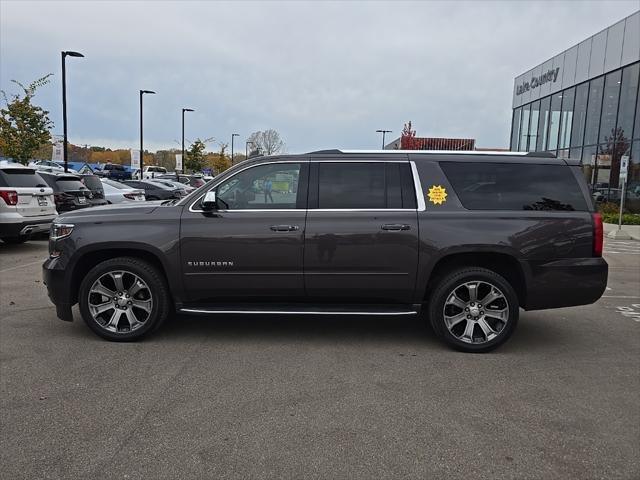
(124, 299)
(474, 309)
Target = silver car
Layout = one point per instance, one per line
(116, 192)
(27, 205)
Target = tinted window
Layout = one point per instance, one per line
(593, 111)
(610, 106)
(554, 121)
(92, 182)
(628, 101)
(533, 126)
(269, 187)
(351, 185)
(515, 129)
(579, 115)
(566, 121)
(524, 129)
(20, 177)
(543, 124)
(67, 184)
(501, 186)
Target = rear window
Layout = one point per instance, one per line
(67, 184)
(92, 182)
(501, 186)
(21, 177)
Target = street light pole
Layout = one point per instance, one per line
(64, 55)
(232, 137)
(183, 110)
(142, 92)
(383, 132)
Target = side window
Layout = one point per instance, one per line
(270, 187)
(362, 185)
(516, 186)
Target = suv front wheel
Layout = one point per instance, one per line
(474, 309)
(123, 299)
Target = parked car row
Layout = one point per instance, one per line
(32, 196)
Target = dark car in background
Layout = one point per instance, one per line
(114, 171)
(195, 181)
(69, 192)
(154, 190)
(93, 183)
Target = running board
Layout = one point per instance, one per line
(266, 309)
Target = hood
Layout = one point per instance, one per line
(106, 212)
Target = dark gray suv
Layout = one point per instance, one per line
(465, 238)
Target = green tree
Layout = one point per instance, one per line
(24, 127)
(195, 156)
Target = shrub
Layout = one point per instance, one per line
(627, 218)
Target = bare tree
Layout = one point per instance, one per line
(268, 142)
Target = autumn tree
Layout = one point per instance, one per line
(24, 127)
(268, 142)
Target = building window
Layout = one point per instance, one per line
(628, 93)
(515, 129)
(593, 111)
(524, 128)
(566, 121)
(533, 125)
(554, 123)
(610, 106)
(543, 124)
(579, 115)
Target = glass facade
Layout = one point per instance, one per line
(596, 121)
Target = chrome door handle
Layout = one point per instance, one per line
(395, 226)
(284, 228)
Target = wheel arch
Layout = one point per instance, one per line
(502, 263)
(89, 259)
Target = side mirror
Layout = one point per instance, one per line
(209, 201)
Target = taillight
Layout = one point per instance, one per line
(598, 235)
(130, 196)
(10, 197)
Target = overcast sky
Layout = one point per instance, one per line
(323, 74)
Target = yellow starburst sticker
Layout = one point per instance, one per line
(437, 195)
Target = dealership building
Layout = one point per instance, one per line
(584, 103)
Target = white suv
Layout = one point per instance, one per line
(27, 205)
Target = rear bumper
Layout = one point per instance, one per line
(566, 283)
(25, 227)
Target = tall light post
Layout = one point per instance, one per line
(233, 135)
(65, 54)
(184, 110)
(383, 132)
(142, 92)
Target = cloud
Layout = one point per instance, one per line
(324, 74)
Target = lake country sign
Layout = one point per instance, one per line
(549, 76)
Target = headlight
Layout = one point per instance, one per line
(60, 230)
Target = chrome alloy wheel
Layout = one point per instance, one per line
(120, 301)
(476, 312)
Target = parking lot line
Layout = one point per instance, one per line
(22, 265)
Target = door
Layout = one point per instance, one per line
(361, 241)
(251, 248)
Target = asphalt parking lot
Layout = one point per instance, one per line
(337, 398)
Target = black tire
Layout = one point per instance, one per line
(15, 240)
(161, 306)
(456, 279)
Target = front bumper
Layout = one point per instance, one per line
(58, 287)
(566, 283)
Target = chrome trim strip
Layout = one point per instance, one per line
(422, 206)
(294, 312)
(440, 152)
(361, 209)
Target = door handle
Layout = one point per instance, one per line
(284, 228)
(395, 226)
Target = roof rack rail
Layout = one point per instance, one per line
(326, 152)
(541, 154)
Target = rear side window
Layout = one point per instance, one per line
(92, 182)
(364, 185)
(21, 177)
(516, 186)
